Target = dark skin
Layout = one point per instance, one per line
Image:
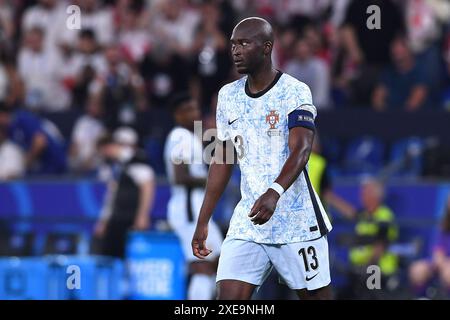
(185, 115)
(251, 47)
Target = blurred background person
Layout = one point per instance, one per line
(41, 70)
(366, 49)
(437, 265)
(130, 194)
(121, 89)
(46, 15)
(85, 64)
(39, 138)
(312, 71)
(404, 83)
(87, 131)
(183, 155)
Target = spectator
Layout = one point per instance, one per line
(424, 20)
(87, 63)
(403, 84)
(122, 90)
(49, 16)
(39, 138)
(368, 50)
(129, 197)
(42, 72)
(212, 63)
(134, 40)
(438, 264)
(7, 26)
(164, 72)
(11, 86)
(12, 161)
(312, 71)
(88, 129)
(95, 17)
(174, 24)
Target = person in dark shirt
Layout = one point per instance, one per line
(402, 85)
(368, 48)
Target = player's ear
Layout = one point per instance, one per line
(268, 48)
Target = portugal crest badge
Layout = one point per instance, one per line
(272, 119)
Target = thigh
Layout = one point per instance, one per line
(242, 261)
(302, 265)
(324, 293)
(234, 290)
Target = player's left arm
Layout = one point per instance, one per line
(301, 138)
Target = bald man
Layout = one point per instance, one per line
(267, 119)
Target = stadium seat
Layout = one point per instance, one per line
(406, 157)
(61, 243)
(17, 244)
(364, 156)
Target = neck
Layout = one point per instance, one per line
(261, 78)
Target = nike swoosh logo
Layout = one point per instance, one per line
(310, 278)
(231, 122)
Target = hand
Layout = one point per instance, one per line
(199, 248)
(141, 223)
(100, 228)
(264, 207)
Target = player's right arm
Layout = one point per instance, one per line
(218, 177)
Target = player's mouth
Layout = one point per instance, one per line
(238, 63)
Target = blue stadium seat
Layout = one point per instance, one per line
(407, 155)
(61, 243)
(17, 244)
(364, 156)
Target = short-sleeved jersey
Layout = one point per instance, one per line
(183, 147)
(257, 124)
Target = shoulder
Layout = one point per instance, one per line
(178, 135)
(294, 85)
(179, 132)
(232, 88)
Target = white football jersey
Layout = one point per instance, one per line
(182, 146)
(257, 124)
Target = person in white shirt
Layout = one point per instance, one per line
(41, 70)
(187, 174)
(88, 129)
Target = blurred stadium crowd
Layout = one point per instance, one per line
(61, 90)
(129, 57)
